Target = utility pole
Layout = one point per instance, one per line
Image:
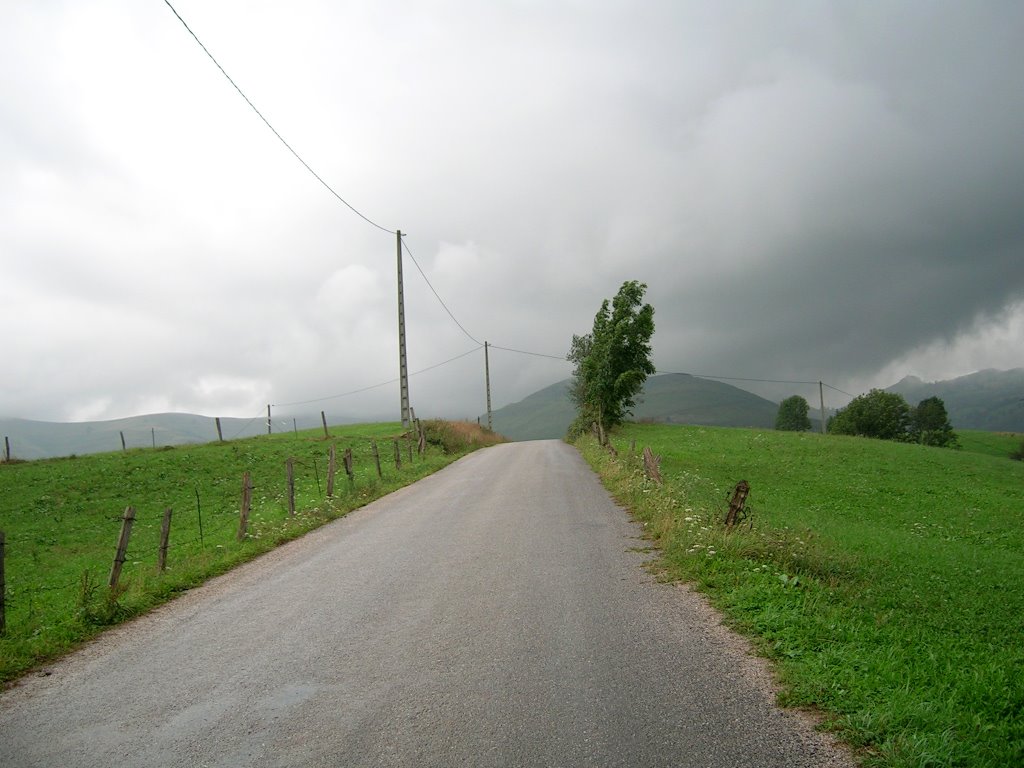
(487, 378)
(403, 366)
(821, 399)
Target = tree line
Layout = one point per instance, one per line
(878, 414)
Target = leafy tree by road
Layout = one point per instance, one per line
(792, 416)
(612, 361)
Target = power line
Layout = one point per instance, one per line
(837, 389)
(437, 296)
(376, 386)
(737, 378)
(533, 354)
(267, 122)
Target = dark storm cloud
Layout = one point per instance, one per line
(811, 190)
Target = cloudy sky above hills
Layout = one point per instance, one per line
(811, 190)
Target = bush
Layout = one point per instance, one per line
(878, 414)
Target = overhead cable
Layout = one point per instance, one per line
(533, 354)
(735, 378)
(381, 384)
(267, 122)
(437, 296)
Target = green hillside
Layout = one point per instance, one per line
(883, 579)
(667, 399)
(62, 517)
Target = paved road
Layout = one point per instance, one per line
(495, 614)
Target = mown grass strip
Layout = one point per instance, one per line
(886, 581)
(62, 517)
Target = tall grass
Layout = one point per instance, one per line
(885, 580)
(62, 518)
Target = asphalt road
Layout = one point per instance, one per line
(495, 614)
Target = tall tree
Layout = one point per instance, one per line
(612, 361)
(792, 415)
(880, 414)
(929, 424)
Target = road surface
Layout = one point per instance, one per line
(495, 614)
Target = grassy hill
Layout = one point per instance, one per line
(988, 400)
(883, 579)
(61, 519)
(668, 399)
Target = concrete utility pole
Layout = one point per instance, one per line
(487, 378)
(403, 367)
(821, 399)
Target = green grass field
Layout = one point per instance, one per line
(885, 580)
(62, 518)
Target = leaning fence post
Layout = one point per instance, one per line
(323, 418)
(736, 512)
(348, 466)
(7, 448)
(332, 467)
(122, 545)
(165, 536)
(652, 465)
(376, 458)
(289, 468)
(3, 587)
(243, 517)
(398, 455)
(220, 435)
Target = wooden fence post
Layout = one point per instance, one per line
(7, 448)
(349, 470)
(652, 465)
(165, 537)
(332, 467)
(289, 468)
(123, 446)
(408, 444)
(398, 455)
(323, 418)
(3, 587)
(220, 435)
(376, 458)
(243, 517)
(736, 512)
(122, 545)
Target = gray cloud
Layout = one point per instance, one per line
(816, 191)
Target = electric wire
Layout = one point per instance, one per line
(839, 390)
(736, 378)
(437, 296)
(381, 384)
(274, 130)
(533, 354)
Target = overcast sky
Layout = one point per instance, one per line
(811, 190)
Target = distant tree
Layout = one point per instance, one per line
(792, 416)
(612, 361)
(879, 414)
(929, 424)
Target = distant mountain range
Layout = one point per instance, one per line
(990, 400)
(666, 399)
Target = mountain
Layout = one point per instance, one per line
(990, 400)
(666, 399)
(45, 439)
